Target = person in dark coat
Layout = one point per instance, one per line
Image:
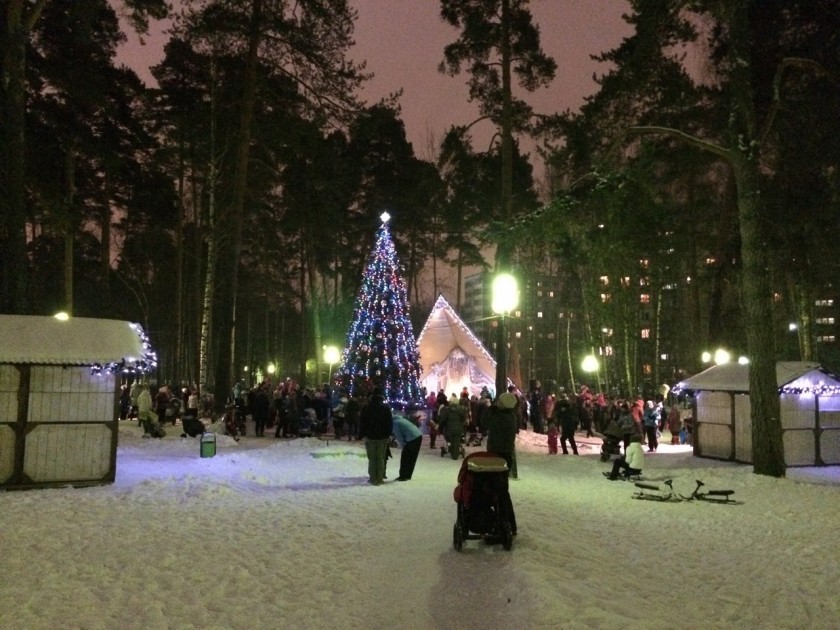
(567, 419)
(502, 427)
(261, 410)
(376, 424)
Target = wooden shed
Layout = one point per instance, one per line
(810, 412)
(58, 398)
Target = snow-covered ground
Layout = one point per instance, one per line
(288, 534)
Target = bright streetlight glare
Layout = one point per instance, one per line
(271, 369)
(505, 294)
(61, 316)
(722, 356)
(743, 360)
(706, 357)
(589, 364)
(331, 354)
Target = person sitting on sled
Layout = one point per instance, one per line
(632, 462)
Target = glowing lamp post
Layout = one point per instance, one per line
(722, 356)
(505, 299)
(590, 364)
(332, 355)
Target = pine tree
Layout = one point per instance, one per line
(381, 350)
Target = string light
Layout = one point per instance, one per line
(381, 349)
(147, 362)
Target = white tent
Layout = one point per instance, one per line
(451, 356)
(809, 397)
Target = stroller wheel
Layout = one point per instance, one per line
(457, 539)
(507, 537)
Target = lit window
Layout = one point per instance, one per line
(710, 260)
(644, 298)
(625, 281)
(663, 357)
(605, 297)
(608, 332)
(825, 338)
(519, 335)
(824, 303)
(608, 351)
(518, 314)
(777, 297)
(645, 333)
(551, 294)
(550, 336)
(605, 280)
(644, 281)
(539, 293)
(539, 314)
(644, 262)
(688, 279)
(825, 320)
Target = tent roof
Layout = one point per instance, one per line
(734, 377)
(443, 331)
(78, 341)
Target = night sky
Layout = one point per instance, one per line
(403, 42)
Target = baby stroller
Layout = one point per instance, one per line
(308, 424)
(610, 446)
(485, 510)
(231, 422)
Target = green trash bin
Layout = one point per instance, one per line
(208, 444)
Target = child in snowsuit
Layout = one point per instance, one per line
(553, 434)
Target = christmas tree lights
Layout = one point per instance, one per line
(381, 350)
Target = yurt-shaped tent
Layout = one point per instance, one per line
(58, 398)
(810, 413)
(451, 356)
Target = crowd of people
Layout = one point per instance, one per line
(453, 421)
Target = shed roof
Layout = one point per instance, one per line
(43, 340)
(734, 377)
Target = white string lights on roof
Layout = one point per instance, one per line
(130, 365)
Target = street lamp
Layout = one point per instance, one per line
(332, 355)
(589, 364)
(505, 297)
(722, 356)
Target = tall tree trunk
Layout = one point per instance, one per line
(503, 253)
(210, 277)
(180, 337)
(767, 442)
(69, 227)
(304, 333)
(20, 18)
(236, 214)
(105, 242)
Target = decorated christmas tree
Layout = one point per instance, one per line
(381, 350)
